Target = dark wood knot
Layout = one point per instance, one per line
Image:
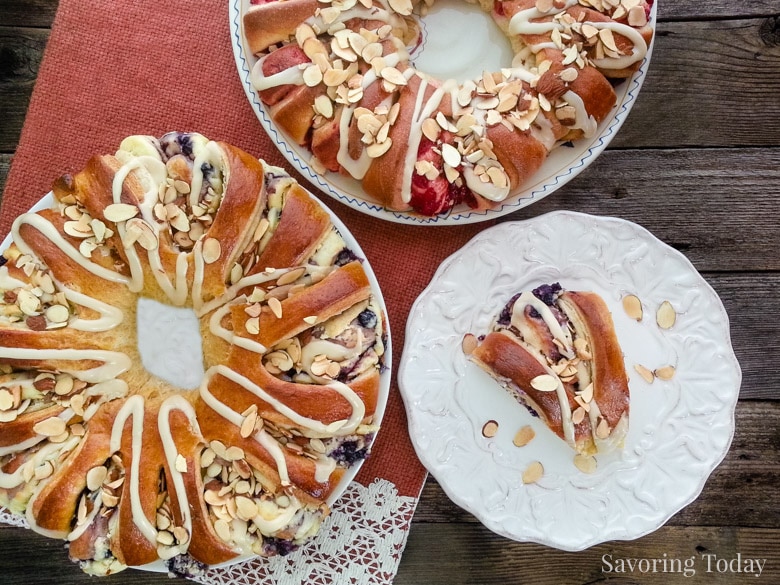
(770, 31)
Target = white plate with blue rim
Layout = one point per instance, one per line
(440, 53)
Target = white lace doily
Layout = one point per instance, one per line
(359, 543)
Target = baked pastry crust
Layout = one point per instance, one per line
(128, 467)
(558, 353)
(337, 78)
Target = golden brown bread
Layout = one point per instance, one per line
(128, 467)
(338, 80)
(558, 353)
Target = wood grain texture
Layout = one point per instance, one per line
(31, 13)
(21, 50)
(724, 198)
(701, 88)
(473, 555)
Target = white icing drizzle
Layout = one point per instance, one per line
(171, 453)
(323, 467)
(582, 120)
(333, 351)
(133, 407)
(31, 442)
(421, 112)
(202, 308)
(340, 427)
(210, 154)
(110, 317)
(261, 81)
(528, 299)
(49, 231)
(521, 24)
(216, 328)
(114, 362)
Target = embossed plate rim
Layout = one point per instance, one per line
(432, 389)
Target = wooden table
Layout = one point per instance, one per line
(698, 164)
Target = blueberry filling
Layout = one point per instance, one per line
(505, 317)
(367, 319)
(277, 546)
(350, 452)
(3, 260)
(547, 293)
(185, 566)
(345, 257)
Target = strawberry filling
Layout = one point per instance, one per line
(435, 196)
(280, 60)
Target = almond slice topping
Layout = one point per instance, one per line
(545, 383)
(523, 436)
(533, 472)
(665, 373)
(585, 463)
(489, 429)
(117, 212)
(646, 374)
(469, 343)
(50, 427)
(211, 251)
(633, 307)
(276, 307)
(666, 316)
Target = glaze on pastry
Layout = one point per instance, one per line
(129, 468)
(336, 77)
(558, 353)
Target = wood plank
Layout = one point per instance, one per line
(455, 554)
(32, 13)
(711, 204)
(750, 474)
(5, 164)
(696, 10)
(21, 50)
(701, 88)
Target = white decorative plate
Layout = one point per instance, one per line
(680, 429)
(170, 347)
(449, 20)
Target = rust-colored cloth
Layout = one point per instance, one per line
(152, 66)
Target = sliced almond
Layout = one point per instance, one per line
(50, 427)
(248, 424)
(578, 415)
(587, 393)
(57, 314)
(533, 472)
(137, 230)
(378, 149)
(234, 453)
(469, 343)
(252, 325)
(450, 154)
(95, 477)
(311, 319)
(211, 250)
(181, 463)
(489, 429)
(633, 307)
(585, 463)
(246, 508)
(523, 436)
(393, 75)
(666, 315)
(646, 373)
(291, 276)
(275, 306)
(117, 212)
(222, 528)
(665, 373)
(545, 383)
